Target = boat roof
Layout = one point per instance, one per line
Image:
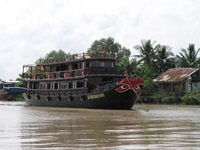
(74, 58)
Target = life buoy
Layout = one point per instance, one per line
(83, 97)
(37, 96)
(58, 98)
(48, 98)
(29, 97)
(70, 98)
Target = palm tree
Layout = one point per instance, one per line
(164, 58)
(189, 57)
(129, 65)
(147, 52)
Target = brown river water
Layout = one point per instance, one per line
(162, 127)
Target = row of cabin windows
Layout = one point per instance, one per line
(74, 66)
(80, 65)
(57, 85)
(100, 64)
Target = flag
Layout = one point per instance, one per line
(101, 51)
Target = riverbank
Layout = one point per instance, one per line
(190, 98)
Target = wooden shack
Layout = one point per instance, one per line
(181, 79)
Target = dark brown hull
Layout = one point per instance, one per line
(110, 99)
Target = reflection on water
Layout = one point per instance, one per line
(163, 127)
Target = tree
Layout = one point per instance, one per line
(147, 52)
(57, 54)
(108, 47)
(131, 66)
(164, 58)
(20, 82)
(189, 57)
(60, 54)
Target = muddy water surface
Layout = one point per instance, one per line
(163, 127)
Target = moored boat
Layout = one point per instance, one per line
(80, 82)
(8, 91)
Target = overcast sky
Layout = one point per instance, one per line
(29, 29)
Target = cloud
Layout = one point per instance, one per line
(30, 29)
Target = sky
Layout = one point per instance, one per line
(29, 29)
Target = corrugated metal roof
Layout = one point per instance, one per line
(175, 75)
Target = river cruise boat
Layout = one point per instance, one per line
(80, 82)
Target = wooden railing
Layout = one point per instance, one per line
(71, 73)
(75, 57)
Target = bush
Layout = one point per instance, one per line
(19, 97)
(158, 96)
(192, 98)
(171, 100)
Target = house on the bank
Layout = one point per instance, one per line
(179, 79)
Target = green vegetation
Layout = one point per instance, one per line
(192, 98)
(19, 97)
(152, 60)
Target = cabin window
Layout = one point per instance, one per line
(41, 86)
(64, 85)
(67, 67)
(44, 86)
(56, 86)
(47, 68)
(111, 64)
(83, 65)
(74, 84)
(79, 65)
(93, 63)
(79, 84)
(70, 85)
(35, 85)
(90, 65)
(85, 83)
(28, 85)
(102, 64)
(75, 66)
(61, 85)
(48, 85)
(52, 86)
(96, 63)
(64, 67)
(106, 64)
(87, 64)
(58, 68)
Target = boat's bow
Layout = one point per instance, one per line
(130, 83)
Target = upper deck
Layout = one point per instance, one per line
(78, 65)
(74, 58)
